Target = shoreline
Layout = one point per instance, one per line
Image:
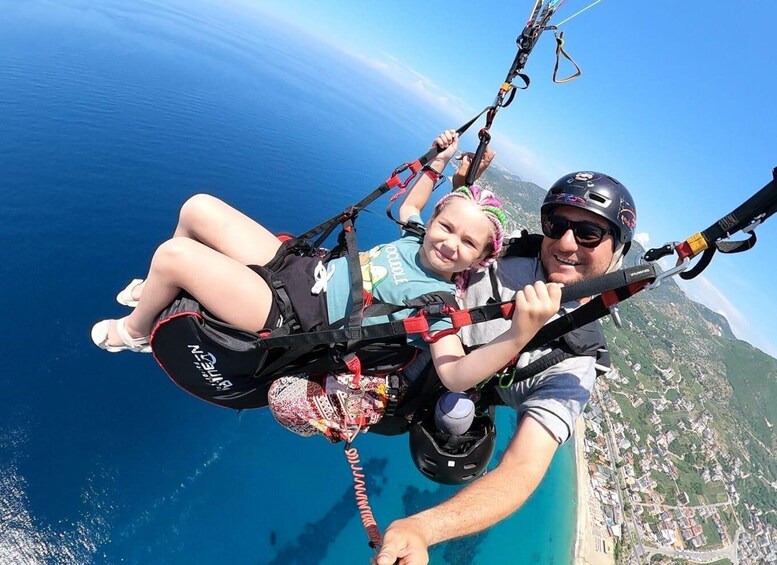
(585, 548)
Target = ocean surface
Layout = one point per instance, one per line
(111, 115)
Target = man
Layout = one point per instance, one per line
(588, 221)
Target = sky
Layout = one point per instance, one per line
(674, 101)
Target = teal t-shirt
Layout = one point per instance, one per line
(392, 273)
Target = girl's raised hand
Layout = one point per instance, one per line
(534, 305)
(447, 142)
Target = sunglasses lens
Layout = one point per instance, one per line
(586, 234)
(554, 227)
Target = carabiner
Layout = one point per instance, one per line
(686, 263)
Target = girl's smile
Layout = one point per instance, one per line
(456, 238)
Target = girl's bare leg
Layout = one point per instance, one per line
(225, 286)
(218, 225)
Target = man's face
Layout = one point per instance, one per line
(565, 261)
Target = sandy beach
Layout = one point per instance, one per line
(593, 546)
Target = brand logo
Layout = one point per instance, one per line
(584, 177)
(205, 363)
(395, 264)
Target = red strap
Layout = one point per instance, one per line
(354, 365)
(461, 318)
(394, 180)
(415, 166)
(416, 324)
(610, 297)
(684, 250)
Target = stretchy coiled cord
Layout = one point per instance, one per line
(362, 502)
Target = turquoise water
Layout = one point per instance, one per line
(111, 114)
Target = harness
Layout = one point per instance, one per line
(587, 339)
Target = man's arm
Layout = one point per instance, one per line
(478, 506)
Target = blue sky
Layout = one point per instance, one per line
(675, 101)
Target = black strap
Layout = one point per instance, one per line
(537, 366)
(537, 23)
(745, 217)
(357, 282)
(761, 205)
(393, 388)
(616, 287)
(561, 52)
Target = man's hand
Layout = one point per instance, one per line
(403, 543)
(466, 160)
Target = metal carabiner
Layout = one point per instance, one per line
(686, 263)
(757, 221)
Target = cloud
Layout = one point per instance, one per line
(418, 84)
(643, 238)
(512, 155)
(519, 158)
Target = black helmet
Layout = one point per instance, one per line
(452, 460)
(597, 193)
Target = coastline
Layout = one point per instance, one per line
(588, 547)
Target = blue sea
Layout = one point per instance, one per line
(111, 115)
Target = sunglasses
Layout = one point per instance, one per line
(587, 234)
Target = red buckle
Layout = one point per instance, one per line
(419, 324)
(354, 365)
(684, 250)
(395, 181)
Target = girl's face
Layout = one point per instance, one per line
(456, 238)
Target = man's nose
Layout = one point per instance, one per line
(567, 241)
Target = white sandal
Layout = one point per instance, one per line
(100, 338)
(125, 296)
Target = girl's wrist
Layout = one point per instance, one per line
(439, 163)
(433, 172)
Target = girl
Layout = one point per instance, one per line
(217, 253)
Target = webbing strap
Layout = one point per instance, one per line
(745, 217)
(561, 52)
(611, 288)
(357, 283)
(515, 375)
(538, 22)
(327, 226)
